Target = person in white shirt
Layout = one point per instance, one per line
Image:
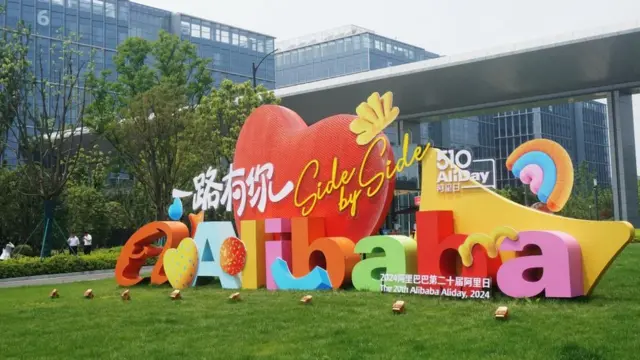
(86, 243)
(6, 252)
(73, 244)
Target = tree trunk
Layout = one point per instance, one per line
(49, 208)
(161, 213)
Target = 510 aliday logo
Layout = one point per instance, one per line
(308, 201)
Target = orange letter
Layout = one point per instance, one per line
(310, 249)
(138, 248)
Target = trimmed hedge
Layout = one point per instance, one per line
(62, 264)
(24, 250)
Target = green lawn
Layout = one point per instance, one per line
(338, 325)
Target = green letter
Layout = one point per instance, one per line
(399, 257)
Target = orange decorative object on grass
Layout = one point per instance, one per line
(233, 256)
(88, 294)
(175, 295)
(502, 312)
(398, 307)
(140, 246)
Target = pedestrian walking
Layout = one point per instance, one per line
(73, 243)
(87, 242)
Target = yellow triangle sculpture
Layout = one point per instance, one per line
(480, 210)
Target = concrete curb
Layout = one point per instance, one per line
(62, 278)
(48, 276)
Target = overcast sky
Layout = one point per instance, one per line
(445, 27)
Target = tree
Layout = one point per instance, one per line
(44, 115)
(85, 209)
(175, 63)
(127, 206)
(136, 207)
(88, 205)
(143, 114)
(222, 114)
(213, 133)
(20, 213)
(92, 168)
(148, 137)
(515, 194)
(111, 211)
(142, 65)
(49, 126)
(14, 47)
(581, 202)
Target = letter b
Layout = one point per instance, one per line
(310, 248)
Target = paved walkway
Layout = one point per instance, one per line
(62, 278)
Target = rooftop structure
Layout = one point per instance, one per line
(320, 37)
(340, 51)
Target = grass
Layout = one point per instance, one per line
(337, 325)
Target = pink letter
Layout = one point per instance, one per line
(277, 226)
(560, 261)
(274, 250)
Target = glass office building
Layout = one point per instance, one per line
(341, 51)
(232, 50)
(592, 139)
(146, 21)
(581, 128)
(473, 133)
(100, 25)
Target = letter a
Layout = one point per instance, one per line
(209, 238)
(561, 261)
(399, 258)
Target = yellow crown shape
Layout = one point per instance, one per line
(373, 117)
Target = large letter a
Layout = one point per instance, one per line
(209, 238)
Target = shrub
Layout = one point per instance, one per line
(61, 264)
(25, 250)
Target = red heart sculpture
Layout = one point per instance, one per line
(277, 135)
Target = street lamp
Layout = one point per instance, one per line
(595, 196)
(255, 68)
